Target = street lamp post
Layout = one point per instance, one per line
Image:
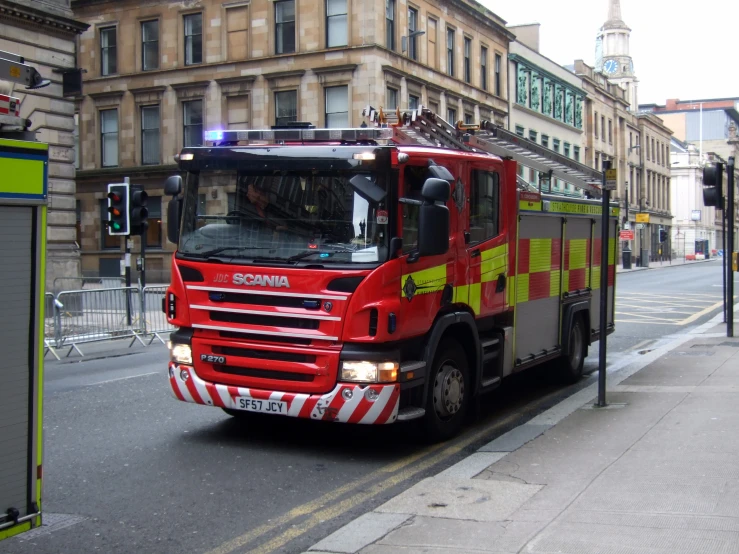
(626, 251)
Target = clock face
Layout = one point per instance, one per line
(611, 66)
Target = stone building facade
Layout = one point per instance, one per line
(160, 73)
(45, 34)
(546, 105)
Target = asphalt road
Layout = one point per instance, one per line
(129, 469)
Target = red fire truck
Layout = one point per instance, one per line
(388, 273)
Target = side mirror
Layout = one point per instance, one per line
(433, 230)
(174, 218)
(436, 190)
(173, 185)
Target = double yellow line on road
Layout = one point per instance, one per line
(325, 508)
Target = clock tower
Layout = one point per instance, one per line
(612, 52)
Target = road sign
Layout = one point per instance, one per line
(626, 235)
(639, 226)
(642, 218)
(611, 179)
(627, 225)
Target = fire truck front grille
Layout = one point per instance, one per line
(264, 354)
(258, 299)
(264, 373)
(264, 320)
(264, 338)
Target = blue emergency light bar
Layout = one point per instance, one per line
(277, 136)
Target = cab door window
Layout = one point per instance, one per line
(484, 205)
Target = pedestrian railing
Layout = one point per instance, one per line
(154, 320)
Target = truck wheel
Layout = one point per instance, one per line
(448, 392)
(571, 364)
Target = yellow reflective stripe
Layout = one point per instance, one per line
(566, 280)
(522, 288)
(578, 253)
(428, 280)
(595, 274)
(461, 295)
(587, 277)
(494, 262)
(529, 206)
(27, 145)
(554, 282)
(611, 251)
(540, 255)
(475, 297)
(511, 291)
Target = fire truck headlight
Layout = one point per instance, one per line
(181, 353)
(369, 372)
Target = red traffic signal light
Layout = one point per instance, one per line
(118, 217)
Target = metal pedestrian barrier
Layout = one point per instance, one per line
(155, 321)
(75, 317)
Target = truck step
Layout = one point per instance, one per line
(488, 343)
(407, 414)
(490, 381)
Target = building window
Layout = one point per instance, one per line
(412, 28)
(237, 27)
(286, 107)
(576, 151)
(149, 45)
(76, 136)
(484, 206)
(468, 118)
(78, 224)
(413, 102)
(519, 130)
(192, 123)
(545, 141)
(555, 145)
(603, 128)
(150, 135)
(433, 52)
(238, 112)
(595, 125)
(109, 137)
(194, 39)
(483, 68)
(467, 60)
(533, 135)
(451, 116)
(390, 24)
(337, 107)
(391, 98)
(566, 150)
(610, 132)
(285, 26)
(631, 140)
(107, 242)
(154, 232)
(108, 65)
(498, 63)
(450, 52)
(336, 23)
(648, 158)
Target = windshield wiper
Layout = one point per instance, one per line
(238, 249)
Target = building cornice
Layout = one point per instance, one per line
(17, 13)
(138, 171)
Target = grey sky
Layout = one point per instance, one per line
(680, 49)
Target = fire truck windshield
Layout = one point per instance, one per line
(286, 217)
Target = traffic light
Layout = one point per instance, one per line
(118, 217)
(713, 184)
(139, 212)
(662, 235)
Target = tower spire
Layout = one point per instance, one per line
(614, 10)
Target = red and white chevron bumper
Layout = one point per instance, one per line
(347, 403)
(10, 105)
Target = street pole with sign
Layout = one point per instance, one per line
(610, 178)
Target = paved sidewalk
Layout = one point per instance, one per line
(657, 471)
(678, 262)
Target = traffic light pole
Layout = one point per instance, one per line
(603, 334)
(730, 210)
(128, 270)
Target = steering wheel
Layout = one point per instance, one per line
(234, 213)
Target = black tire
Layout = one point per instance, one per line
(571, 364)
(449, 393)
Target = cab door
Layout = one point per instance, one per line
(487, 247)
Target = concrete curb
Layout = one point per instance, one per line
(684, 264)
(367, 529)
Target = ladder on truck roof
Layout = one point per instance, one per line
(423, 127)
